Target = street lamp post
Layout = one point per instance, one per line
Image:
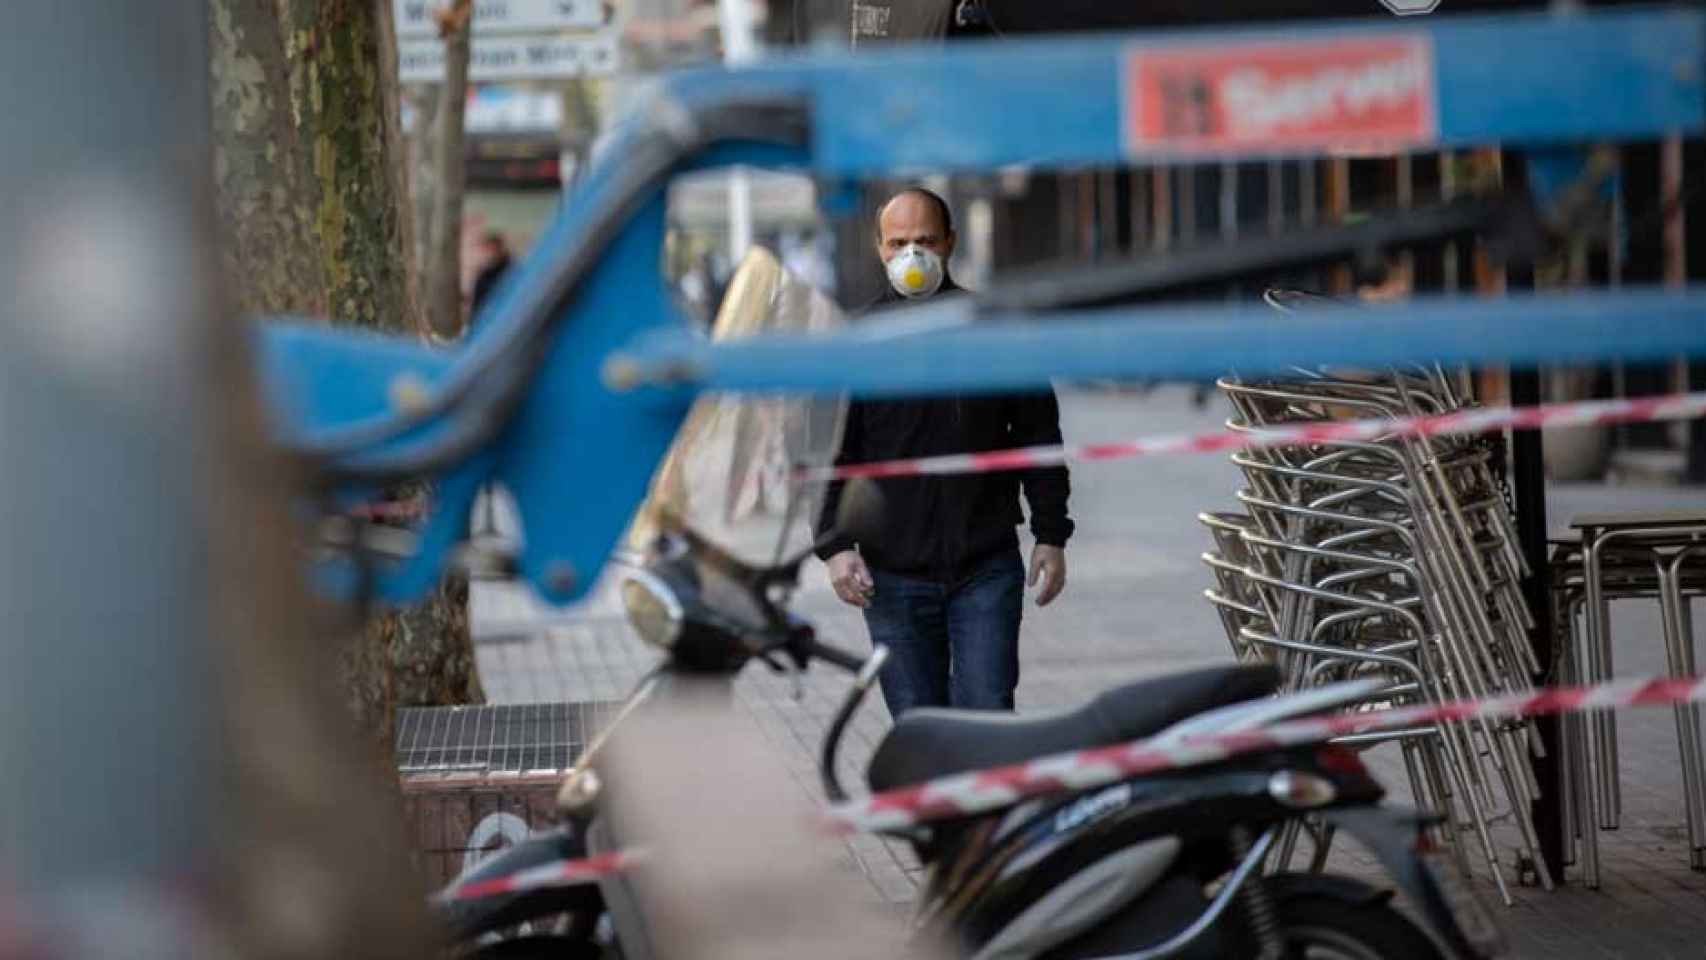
(734, 19)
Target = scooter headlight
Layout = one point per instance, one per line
(1299, 790)
(653, 609)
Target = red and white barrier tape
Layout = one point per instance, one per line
(981, 791)
(557, 873)
(984, 790)
(1677, 406)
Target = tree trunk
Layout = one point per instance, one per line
(337, 91)
(444, 268)
(263, 199)
(307, 158)
(423, 182)
(399, 157)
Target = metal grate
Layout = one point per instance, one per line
(498, 738)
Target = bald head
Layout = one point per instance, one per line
(915, 216)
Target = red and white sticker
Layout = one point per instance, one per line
(1356, 93)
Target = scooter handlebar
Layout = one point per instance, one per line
(815, 649)
(866, 674)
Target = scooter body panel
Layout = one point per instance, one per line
(1004, 869)
(470, 918)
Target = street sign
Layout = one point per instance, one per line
(512, 58)
(414, 17)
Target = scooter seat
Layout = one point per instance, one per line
(926, 743)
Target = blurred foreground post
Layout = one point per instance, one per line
(736, 865)
(180, 780)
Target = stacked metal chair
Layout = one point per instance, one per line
(1394, 557)
(1622, 557)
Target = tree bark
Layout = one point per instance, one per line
(444, 268)
(337, 92)
(263, 201)
(399, 156)
(307, 158)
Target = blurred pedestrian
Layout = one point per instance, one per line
(493, 260)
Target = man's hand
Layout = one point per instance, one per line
(851, 579)
(1048, 565)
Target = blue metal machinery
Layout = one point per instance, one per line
(582, 369)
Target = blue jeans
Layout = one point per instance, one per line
(950, 646)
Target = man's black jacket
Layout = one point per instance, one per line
(942, 527)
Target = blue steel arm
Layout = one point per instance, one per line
(966, 351)
(577, 454)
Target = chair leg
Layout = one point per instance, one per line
(1581, 728)
(1679, 660)
(1599, 670)
(1690, 664)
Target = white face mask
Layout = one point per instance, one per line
(915, 271)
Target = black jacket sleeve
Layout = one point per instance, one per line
(1034, 420)
(851, 452)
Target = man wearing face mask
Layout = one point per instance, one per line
(942, 583)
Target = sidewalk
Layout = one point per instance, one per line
(1133, 608)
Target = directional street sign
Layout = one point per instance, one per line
(414, 17)
(512, 58)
